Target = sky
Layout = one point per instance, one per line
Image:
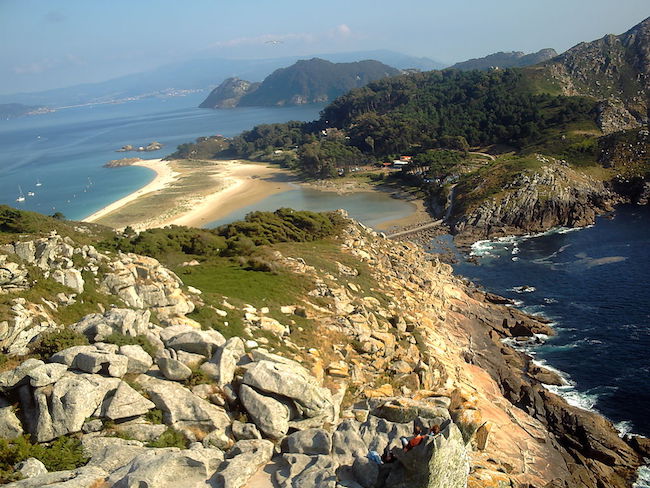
(55, 43)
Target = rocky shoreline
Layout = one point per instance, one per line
(423, 348)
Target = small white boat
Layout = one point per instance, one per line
(38, 183)
(30, 193)
(21, 197)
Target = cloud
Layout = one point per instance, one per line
(343, 30)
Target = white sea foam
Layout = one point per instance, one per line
(643, 478)
(523, 289)
(543, 364)
(515, 258)
(583, 400)
(481, 248)
(624, 427)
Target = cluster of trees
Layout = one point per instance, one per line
(435, 163)
(413, 113)
(421, 109)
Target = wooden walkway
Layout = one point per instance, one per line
(415, 229)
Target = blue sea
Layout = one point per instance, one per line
(594, 284)
(65, 150)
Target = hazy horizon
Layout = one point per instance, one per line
(51, 45)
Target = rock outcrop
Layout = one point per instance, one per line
(532, 202)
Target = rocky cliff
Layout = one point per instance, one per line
(228, 93)
(615, 69)
(397, 341)
(534, 201)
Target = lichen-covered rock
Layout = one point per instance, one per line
(242, 461)
(182, 409)
(269, 414)
(125, 402)
(62, 408)
(291, 382)
(311, 442)
(162, 468)
(98, 327)
(10, 426)
(173, 370)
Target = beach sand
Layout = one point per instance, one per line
(193, 193)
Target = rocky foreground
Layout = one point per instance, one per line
(422, 348)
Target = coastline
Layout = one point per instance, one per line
(163, 177)
(192, 193)
(196, 193)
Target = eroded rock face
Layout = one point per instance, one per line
(142, 282)
(123, 321)
(242, 461)
(553, 196)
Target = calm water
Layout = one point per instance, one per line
(371, 208)
(65, 150)
(594, 284)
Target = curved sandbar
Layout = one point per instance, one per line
(192, 193)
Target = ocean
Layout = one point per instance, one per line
(593, 283)
(65, 150)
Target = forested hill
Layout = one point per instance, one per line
(514, 59)
(307, 81)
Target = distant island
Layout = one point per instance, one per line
(118, 163)
(152, 146)
(514, 59)
(307, 81)
(13, 110)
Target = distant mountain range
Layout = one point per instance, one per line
(307, 81)
(514, 59)
(197, 74)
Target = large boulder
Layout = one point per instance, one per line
(203, 342)
(294, 383)
(138, 360)
(310, 441)
(110, 453)
(221, 367)
(124, 403)
(62, 408)
(242, 462)
(182, 409)
(105, 363)
(75, 478)
(10, 426)
(125, 321)
(46, 374)
(173, 370)
(269, 414)
(300, 470)
(69, 277)
(163, 468)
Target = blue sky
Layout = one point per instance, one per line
(49, 44)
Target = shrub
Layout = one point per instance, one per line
(55, 341)
(170, 438)
(198, 378)
(62, 454)
(155, 416)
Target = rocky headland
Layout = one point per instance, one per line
(396, 341)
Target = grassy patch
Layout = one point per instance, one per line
(170, 438)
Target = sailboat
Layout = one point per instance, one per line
(21, 197)
(38, 183)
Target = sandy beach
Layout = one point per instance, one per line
(192, 193)
(196, 193)
(164, 177)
